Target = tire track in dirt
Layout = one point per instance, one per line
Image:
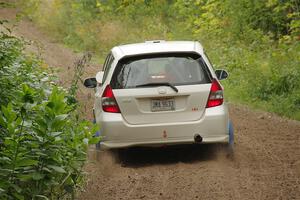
(266, 164)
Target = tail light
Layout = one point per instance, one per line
(109, 103)
(216, 95)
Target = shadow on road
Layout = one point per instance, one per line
(142, 156)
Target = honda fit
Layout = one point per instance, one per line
(160, 93)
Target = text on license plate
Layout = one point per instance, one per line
(162, 104)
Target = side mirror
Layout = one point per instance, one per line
(90, 83)
(221, 74)
(99, 77)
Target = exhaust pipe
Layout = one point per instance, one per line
(197, 138)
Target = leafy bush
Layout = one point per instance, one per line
(43, 141)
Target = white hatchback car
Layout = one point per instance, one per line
(160, 93)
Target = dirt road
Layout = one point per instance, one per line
(266, 164)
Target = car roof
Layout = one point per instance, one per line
(156, 46)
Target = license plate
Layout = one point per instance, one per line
(162, 105)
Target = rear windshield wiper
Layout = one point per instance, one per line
(159, 84)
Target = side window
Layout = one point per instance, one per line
(107, 65)
(106, 61)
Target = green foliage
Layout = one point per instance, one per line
(266, 77)
(256, 41)
(16, 69)
(43, 142)
(96, 25)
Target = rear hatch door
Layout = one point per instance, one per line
(164, 88)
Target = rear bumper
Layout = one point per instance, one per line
(159, 142)
(117, 133)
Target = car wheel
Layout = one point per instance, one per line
(230, 147)
(98, 146)
(231, 134)
(97, 134)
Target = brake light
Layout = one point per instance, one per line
(108, 101)
(216, 95)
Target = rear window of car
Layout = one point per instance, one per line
(176, 69)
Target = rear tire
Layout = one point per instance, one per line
(97, 134)
(231, 134)
(98, 146)
(230, 147)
